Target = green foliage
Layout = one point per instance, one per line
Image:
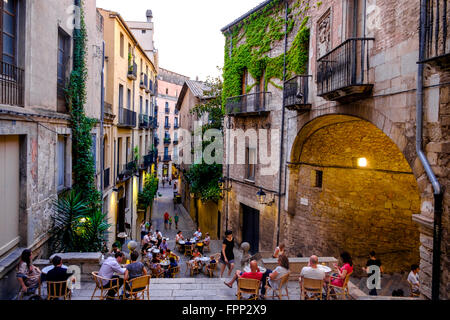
(203, 181)
(145, 198)
(260, 32)
(77, 226)
(82, 159)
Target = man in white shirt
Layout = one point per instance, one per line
(109, 266)
(413, 278)
(197, 234)
(312, 271)
(146, 239)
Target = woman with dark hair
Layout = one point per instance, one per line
(347, 268)
(227, 254)
(27, 274)
(280, 270)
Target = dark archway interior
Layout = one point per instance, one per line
(342, 206)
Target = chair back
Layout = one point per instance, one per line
(174, 271)
(312, 285)
(347, 279)
(139, 282)
(188, 248)
(213, 266)
(411, 288)
(57, 289)
(249, 285)
(284, 280)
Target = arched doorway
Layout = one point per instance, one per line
(352, 189)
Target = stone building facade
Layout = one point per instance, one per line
(35, 134)
(169, 89)
(351, 176)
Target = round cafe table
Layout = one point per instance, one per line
(181, 242)
(247, 269)
(165, 264)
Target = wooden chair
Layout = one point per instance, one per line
(112, 284)
(339, 291)
(311, 286)
(188, 248)
(209, 269)
(206, 246)
(173, 271)
(283, 284)
(135, 289)
(156, 274)
(58, 289)
(412, 292)
(248, 286)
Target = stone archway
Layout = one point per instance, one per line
(335, 205)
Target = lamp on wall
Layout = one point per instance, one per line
(262, 198)
(222, 185)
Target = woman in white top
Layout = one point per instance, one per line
(179, 237)
(280, 270)
(279, 251)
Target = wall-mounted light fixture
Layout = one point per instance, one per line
(361, 162)
(262, 198)
(222, 185)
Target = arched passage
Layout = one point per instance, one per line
(336, 205)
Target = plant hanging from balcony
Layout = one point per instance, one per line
(83, 169)
(255, 37)
(145, 198)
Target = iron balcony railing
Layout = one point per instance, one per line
(127, 170)
(345, 66)
(156, 142)
(167, 140)
(127, 118)
(175, 141)
(11, 85)
(132, 71)
(106, 178)
(167, 158)
(143, 121)
(437, 39)
(148, 160)
(167, 125)
(296, 91)
(249, 103)
(143, 83)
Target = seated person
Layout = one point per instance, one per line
(282, 268)
(28, 275)
(347, 268)
(159, 240)
(312, 271)
(134, 270)
(207, 239)
(164, 246)
(155, 266)
(58, 274)
(144, 249)
(197, 235)
(170, 254)
(279, 250)
(109, 266)
(413, 278)
(196, 254)
(173, 264)
(253, 274)
(179, 237)
(212, 260)
(146, 239)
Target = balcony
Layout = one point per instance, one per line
(147, 160)
(343, 73)
(167, 125)
(143, 121)
(249, 104)
(167, 140)
(436, 34)
(127, 118)
(175, 126)
(153, 89)
(144, 80)
(175, 141)
(106, 178)
(167, 110)
(132, 71)
(127, 170)
(167, 158)
(156, 142)
(11, 85)
(296, 93)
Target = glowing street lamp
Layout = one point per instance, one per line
(362, 162)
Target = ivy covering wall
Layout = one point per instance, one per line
(254, 38)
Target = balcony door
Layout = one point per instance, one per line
(8, 27)
(250, 227)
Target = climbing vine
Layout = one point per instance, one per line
(255, 37)
(83, 169)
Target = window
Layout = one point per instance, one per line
(62, 69)
(94, 150)
(61, 157)
(167, 92)
(8, 31)
(176, 122)
(128, 150)
(129, 99)
(319, 178)
(146, 106)
(167, 105)
(120, 96)
(167, 121)
(244, 81)
(166, 152)
(144, 31)
(250, 160)
(140, 104)
(122, 44)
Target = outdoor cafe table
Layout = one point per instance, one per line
(165, 264)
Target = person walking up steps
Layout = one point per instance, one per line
(176, 220)
(170, 222)
(166, 219)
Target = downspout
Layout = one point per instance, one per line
(102, 118)
(132, 150)
(228, 127)
(438, 195)
(280, 174)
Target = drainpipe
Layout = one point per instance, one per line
(228, 127)
(438, 194)
(280, 174)
(102, 118)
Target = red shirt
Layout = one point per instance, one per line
(166, 216)
(252, 275)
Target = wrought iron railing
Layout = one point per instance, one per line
(144, 79)
(167, 158)
(344, 66)
(296, 91)
(167, 140)
(132, 71)
(148, 160)
(127, 170)
(249, 103)
(127, 117)
(167, 125)
(11, 85)
(143, 121)
(106, 178)
(437, 38)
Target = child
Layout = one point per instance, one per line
(176, 220)
(170, 222)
